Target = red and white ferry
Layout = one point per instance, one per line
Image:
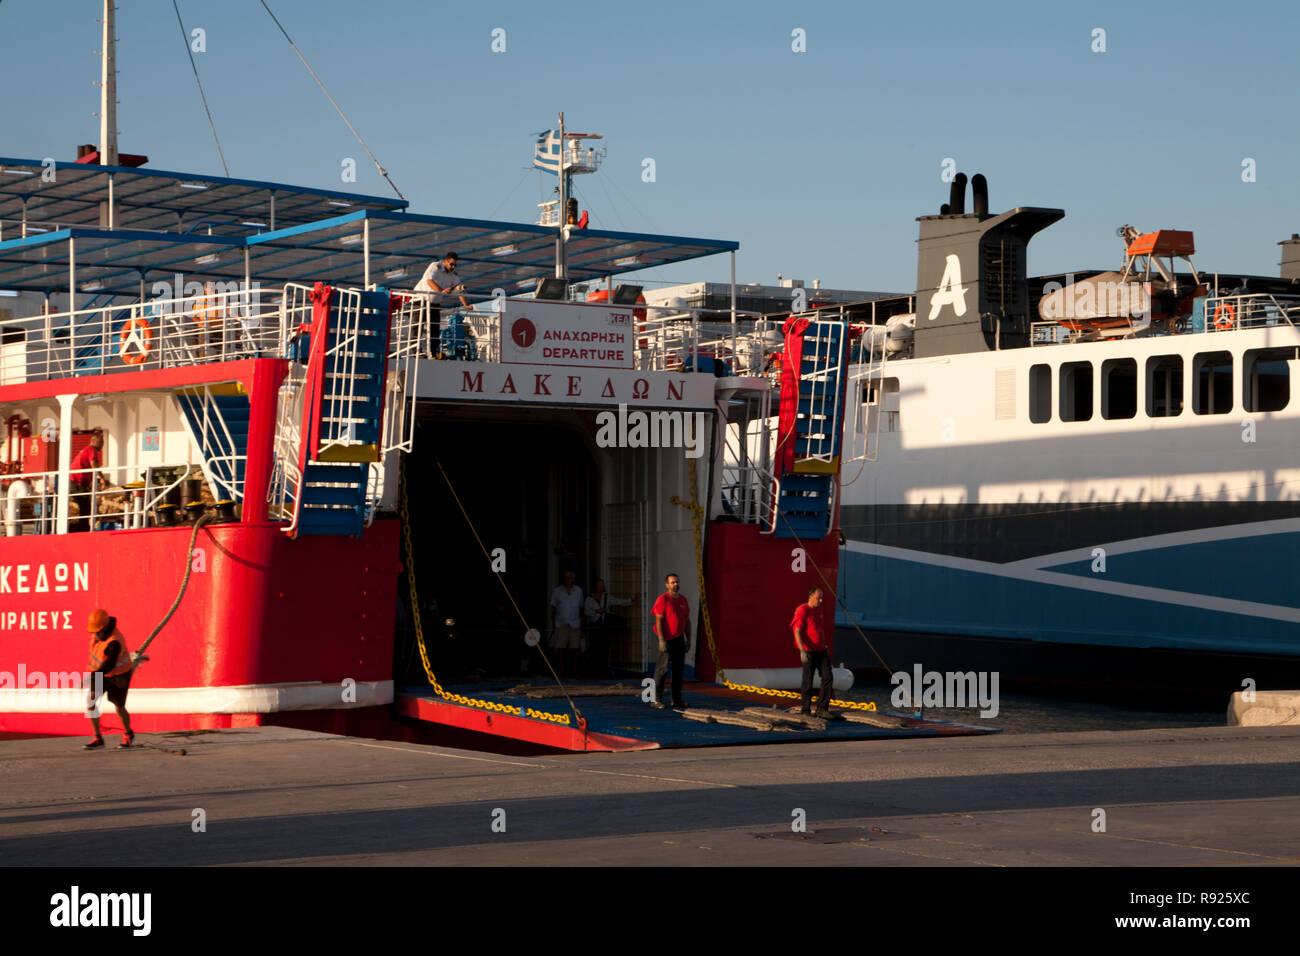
(251, 355)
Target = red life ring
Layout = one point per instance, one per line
(142, 340)
(1225, 317)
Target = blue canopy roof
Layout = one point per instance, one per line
(115, 262)
(61, 194)
(492, 255)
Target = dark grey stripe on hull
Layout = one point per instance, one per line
(1012, 532)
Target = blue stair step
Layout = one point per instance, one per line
(817, 483)
(802, 504)
(804, 527)
(222, 435)
(329, 521)
(349, 472)
(333, 496)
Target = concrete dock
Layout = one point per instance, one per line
(1199, 796)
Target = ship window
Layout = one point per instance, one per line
(1164, 386)
(1212, 381)
(1076, 391)
(880, 400)
(1266, 379)
(1040, 393)
(1119, 388)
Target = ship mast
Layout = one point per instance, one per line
(108, 89)
(561, 262)
(572, 161)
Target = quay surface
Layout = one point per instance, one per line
(1186, 796)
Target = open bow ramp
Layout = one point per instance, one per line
(619, 720)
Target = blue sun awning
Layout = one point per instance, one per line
(510, 256)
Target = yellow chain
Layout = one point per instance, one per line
(697, 519)
(424, 654)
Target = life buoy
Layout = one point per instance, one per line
(142, 340)
(1225, 317)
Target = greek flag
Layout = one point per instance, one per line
(546, 154)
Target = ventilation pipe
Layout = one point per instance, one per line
(957, 195)
(980, 187)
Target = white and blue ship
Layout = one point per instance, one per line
(1064, 487)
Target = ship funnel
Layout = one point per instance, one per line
(980, 190)
(957, 195)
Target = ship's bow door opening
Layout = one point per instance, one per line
(542, 497)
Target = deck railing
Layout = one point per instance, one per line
(1222, 313)
(749, 494)
(29, 500)
(159, 333)
(256, 323)
(665, 339)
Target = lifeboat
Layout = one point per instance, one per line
(1120, 303)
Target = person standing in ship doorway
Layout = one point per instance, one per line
(440, 277)
(599, 626)
(566, 624)
(83, 475)
(813, 641)
(673, 628)
(111, 663)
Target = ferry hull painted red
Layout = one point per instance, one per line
(755, 582)
(267, 624)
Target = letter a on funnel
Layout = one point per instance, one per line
(951, 291)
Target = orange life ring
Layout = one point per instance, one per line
(142, 341)
(1223, 321)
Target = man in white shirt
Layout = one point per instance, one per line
(598, 625)
(566, 624)
(441, 277)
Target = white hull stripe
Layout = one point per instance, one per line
(1173, 539)
(231, 699)
(1021, 572)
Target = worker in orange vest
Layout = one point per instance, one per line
(111, 662)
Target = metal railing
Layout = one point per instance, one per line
(828, 353)
(408, 322)
(159, 333)
(749, 495)
(212, 437)
(29, 501)
(407, 332)
(1223, 313)
(665, 339)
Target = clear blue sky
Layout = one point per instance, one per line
(816, 162)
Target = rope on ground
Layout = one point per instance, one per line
(697, 520)
(419, 626)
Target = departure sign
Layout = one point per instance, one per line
(563, 333)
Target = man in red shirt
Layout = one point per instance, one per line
(92, 456)
(673, 628)
(80, 477)
(813, 639)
